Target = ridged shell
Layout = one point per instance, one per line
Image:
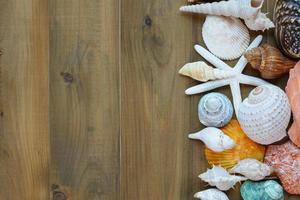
(269, 61)
(285, 159)
(265, 190)
(287, 26)
(202, 72)
(215, 110)
(252, 169)
(265, 114)
(211, 194)
(293, 93)
(245, 148)
(214, 139)
(225, 37)
(219, 177)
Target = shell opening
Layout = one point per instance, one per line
(257, 3)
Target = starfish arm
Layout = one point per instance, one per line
(236, 95)
(250, 80)
(211, 58)
(241, 64)
(204, 87)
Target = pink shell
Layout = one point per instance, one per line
(285, 159)
(293, 93)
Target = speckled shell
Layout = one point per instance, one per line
(219, 177)
(211, 194)
(265, 114)
(225, 37)
(252, 169)
(285, 159)
(245, 148)
(265, 190)
(215, 110)
(287, 26)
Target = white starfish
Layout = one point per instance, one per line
(234, 81)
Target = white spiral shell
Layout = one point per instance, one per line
(225, 37)
(265, 114)
(211, 194)
(215, 110)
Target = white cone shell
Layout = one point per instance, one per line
(219, 177)
(244, 9)
(265, 114)
(225, 37)
(252, 169)
(214, 139)
(211, 194)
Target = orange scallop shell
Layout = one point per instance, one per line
(245, 148)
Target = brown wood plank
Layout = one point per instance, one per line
(24, 149)
(84, 99)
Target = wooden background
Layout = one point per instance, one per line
(91, 105)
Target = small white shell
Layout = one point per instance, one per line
(225, 37)
(211, 194)
(215, 110)
(219, 177)
(214, 139)
(261, 22)
(265, 114)
(202, 72)
(252, 169)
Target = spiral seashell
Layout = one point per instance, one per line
(252, 169)
(214, 139)
(265, 190)
(219, 177)
(202, 72)
(265, 114)
(215, 110)
(226, 37)
(287, 26)
(211, 194)
(269, 61)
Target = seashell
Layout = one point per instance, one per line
(269, 61)
(245, 148)
(214, 139)
(264, 190)
(285, 160)
(265, 114)
(211, 194)
(219, 177)
(225, 37)
(293, 93)
(252, 169)
(202, 72)
(249, 10)
(287, 26)
(215, 109)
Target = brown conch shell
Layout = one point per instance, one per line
(293, 92)
(269, 61)
(285, 160)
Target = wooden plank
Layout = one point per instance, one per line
(84, 102)
(24, 149)
(158, 161)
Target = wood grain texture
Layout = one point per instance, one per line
(84, 99)
(24, 149)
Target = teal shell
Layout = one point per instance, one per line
(264, 190)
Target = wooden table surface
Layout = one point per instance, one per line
(91, 105)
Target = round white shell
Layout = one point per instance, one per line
(225, 37)
(252, 169)
(211, 194)
(214, 139)
(219, 177)
(215, 110)
(265, 114)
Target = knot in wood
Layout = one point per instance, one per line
(59, 196)
(68, 78)
(148, 21)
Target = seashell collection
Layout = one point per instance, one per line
(244, 150)
(215, 109)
